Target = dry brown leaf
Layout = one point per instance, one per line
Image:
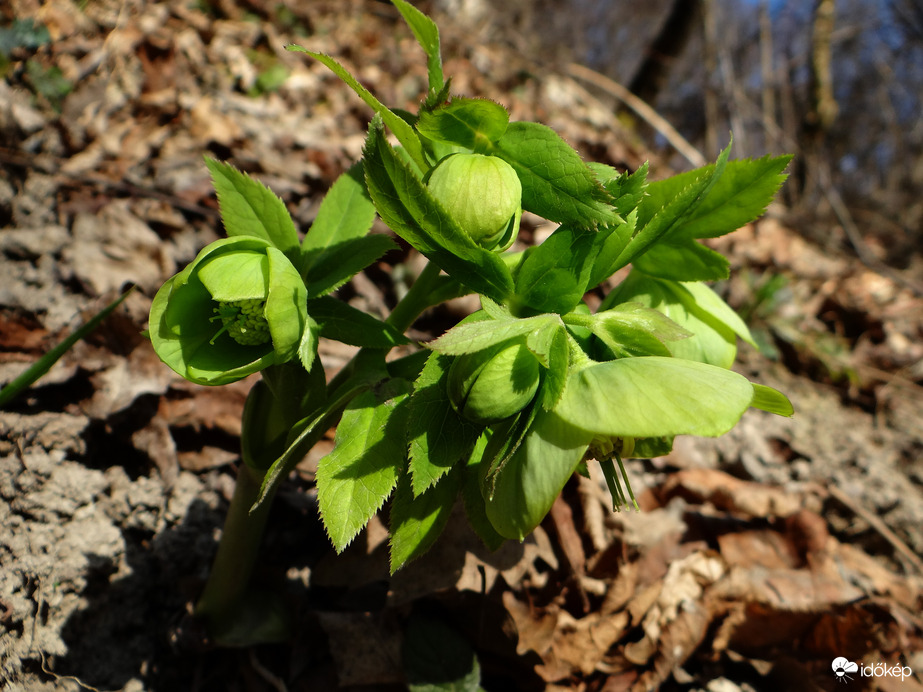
(209, 124)
(536, 628)
(199, 407)
(579, 646)
(876, 580)
(622, 589)
(764, 548)
(680, 593)
(114, 247)
(568, 537)
(677, 642)
(732, 494)
(155, 441)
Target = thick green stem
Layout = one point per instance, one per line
(418, 298)
(415, 301)
(222, 598)
(237, 551)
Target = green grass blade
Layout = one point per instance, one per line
(44, 364)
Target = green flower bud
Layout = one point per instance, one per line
(493, 384)
(237, 308)
(483, 194)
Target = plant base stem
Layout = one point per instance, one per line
(237, 551)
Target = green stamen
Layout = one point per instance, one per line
(243, 321)
(604, 451)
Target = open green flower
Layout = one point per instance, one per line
(239, 307)
(483, 194)
(628, 407)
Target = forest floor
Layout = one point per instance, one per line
(757, 560)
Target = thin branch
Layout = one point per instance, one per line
(642, 110)
(877, 525)
(853, 233)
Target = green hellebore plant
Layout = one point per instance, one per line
(483, 194)
(237, 308)
(502, 409)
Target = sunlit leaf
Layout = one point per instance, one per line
(356, 478)
(556, 183)
(655, 397)
(250, 208)
(417, 521)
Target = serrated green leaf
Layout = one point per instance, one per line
(471, 337)
(417, 521)
(632, 330)
(249, 208)
(553, 276)
(713, 341)
(608, 244)
(529, 482)
(344, 260)
(556, 183)
(470, 123)
(628, 189)
(401, 129)
(684, 260)
(340, 321)
(309, 430)
(741, 195)
(427, 35)
(475, 509)
(439, 439)
(604, 172)
(346, 214)
(406, 205)
(356, 478)
(655, 397)
(494, 310)
(659, 218)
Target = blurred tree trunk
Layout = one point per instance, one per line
(822, 106)
(790, 128)
(719, 68)
(710, 51)
(666, 47)
(767, 76)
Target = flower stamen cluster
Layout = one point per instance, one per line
(243, 320)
